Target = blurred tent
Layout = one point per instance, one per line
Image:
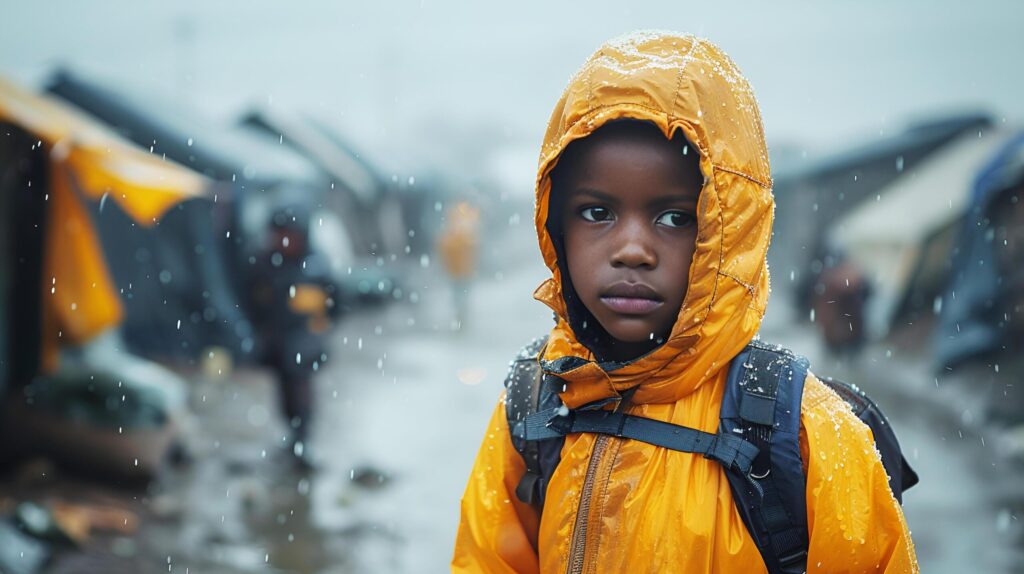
(361, 196)
(67, 378)
(811, 198)
(262, 177)
(902, 239)
(172, 279)
(86, 163)
(395, 215)
(973, 324)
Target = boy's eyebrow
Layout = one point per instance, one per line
(674, 199)
(595, 193)
(668, 199)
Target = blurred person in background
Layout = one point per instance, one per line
(291, 315)
(457, 246)
(840, 295)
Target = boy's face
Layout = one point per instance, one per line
(628, 214)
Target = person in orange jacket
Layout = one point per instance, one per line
(654, 213)
(458, 245)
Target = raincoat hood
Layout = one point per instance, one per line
(679, 84)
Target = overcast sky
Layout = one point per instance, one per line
(404, 78)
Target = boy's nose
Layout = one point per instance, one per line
(633, 249)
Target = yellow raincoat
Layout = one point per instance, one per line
(618, 505)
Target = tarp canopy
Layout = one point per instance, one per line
(885, 236)
(101, 162)
(87, 161)
(219, 151)
(260, 171)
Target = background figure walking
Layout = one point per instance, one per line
(457, 245)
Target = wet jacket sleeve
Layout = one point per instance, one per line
(497, 532)
(855, 523)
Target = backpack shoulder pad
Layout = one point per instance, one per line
(522, 382)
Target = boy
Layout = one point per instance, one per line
(654, 213)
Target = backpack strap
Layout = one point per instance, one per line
(538, 423)
(528, 390)
(758, 443)
(729, 450)
(761, 404)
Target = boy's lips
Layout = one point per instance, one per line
(631, 298)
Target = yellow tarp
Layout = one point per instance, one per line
(88, 160)
(145, 186)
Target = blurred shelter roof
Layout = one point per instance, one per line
(917, 137)
(325, 148)
(887, 237)
(86, 161)
(372, 209)
(146, 186)
(222, 152)
(811, 197)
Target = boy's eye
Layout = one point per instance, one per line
(675, 219)
(596, 214)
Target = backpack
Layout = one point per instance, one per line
(757, 443)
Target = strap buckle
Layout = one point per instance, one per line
(562, 420)
(528, 489)
(794, 558)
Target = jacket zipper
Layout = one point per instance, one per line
(578, 548)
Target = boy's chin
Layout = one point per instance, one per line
(634, 334)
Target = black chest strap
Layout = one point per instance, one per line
(729, 450)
